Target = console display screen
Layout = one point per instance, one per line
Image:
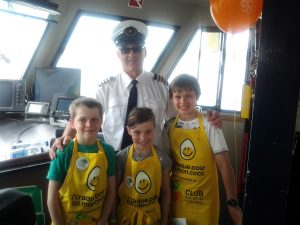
(50, 81)
(35, 108)
(6, 96)
(63, 105)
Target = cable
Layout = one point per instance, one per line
(22, 132)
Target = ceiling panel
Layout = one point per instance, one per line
(196, 2)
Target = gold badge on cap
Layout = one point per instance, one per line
(130, 31)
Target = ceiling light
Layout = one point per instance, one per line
(42, 5)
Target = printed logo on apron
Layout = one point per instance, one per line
(187, 150)
(93, 178)
(142, 182)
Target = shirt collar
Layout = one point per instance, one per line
(126, 79)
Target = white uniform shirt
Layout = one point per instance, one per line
(113, 95)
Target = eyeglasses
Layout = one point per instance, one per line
(127, 50)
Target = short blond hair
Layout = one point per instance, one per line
(85, 101)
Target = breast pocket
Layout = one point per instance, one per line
(115, 114)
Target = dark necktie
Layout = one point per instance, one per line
(132, 102)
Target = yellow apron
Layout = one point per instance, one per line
(139, 191)
(195, 192)
(83, 191)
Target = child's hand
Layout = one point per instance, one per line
(214, 118)
(236, 215)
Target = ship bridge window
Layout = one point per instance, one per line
(21, 31)
(218, 61)
(90, 48)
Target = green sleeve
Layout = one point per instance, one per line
(60, 165)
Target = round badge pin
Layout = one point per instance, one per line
(129, 181)
(82, 163)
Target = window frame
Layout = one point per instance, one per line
(22, 62)
(222, 64)
(74, 23)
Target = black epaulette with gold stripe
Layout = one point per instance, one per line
(105, 81)
(160, 78)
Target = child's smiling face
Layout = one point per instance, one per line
(142, 135)
(184, 101)
(87, 123)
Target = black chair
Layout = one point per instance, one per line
(16, 208)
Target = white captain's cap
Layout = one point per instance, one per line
(129, 31)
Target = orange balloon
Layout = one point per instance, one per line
(235, 16)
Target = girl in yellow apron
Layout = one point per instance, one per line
(144, 181)
(81, 193)
(195, 190)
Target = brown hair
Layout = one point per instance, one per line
(186, 82)
(140, 115)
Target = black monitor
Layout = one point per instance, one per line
(12, 95)
(59, 113)
(50, 81)
(60, 106)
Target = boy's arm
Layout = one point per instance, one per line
(164, 144)
(69, 134)
(53, 203)
(109, 200)
(225, 168)
(165, 194)
(170, 110)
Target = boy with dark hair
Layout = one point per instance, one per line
(197, 149)
(143, 174)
